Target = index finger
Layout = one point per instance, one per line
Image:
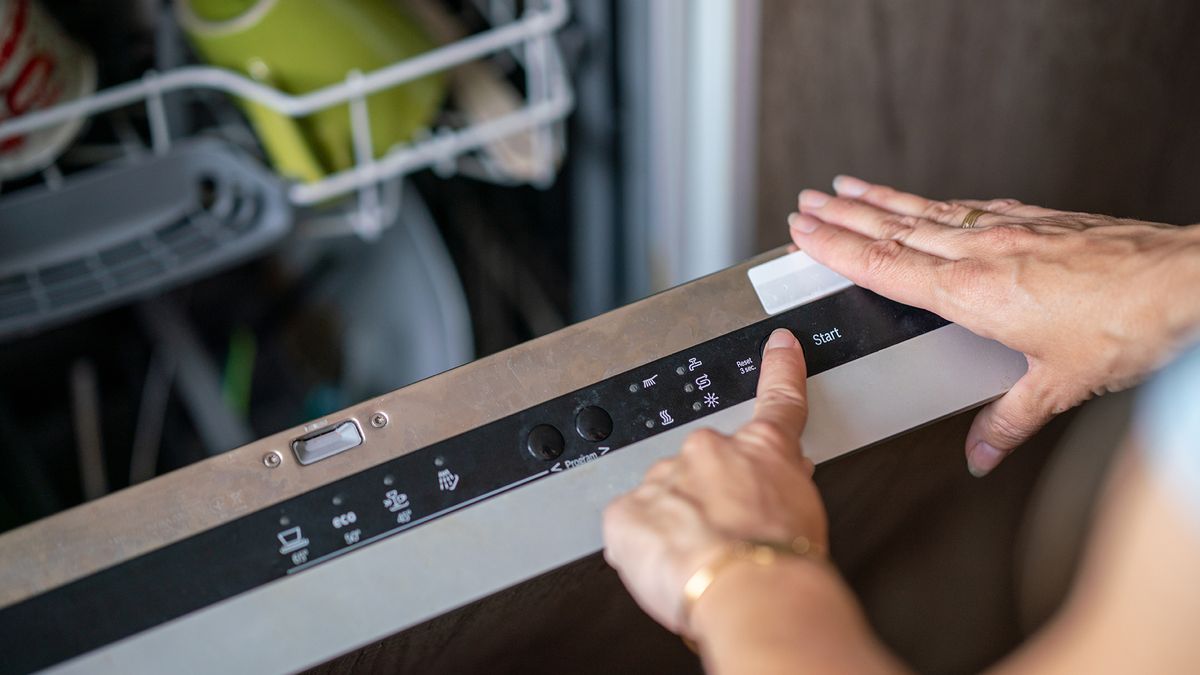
(882, 265)
(782, 398)
(948, 213)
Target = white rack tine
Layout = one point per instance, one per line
(392, 198)
(427, 154)
(367, 221)
(446, 164)
(160, 134)
(549, 101)
(206, 77)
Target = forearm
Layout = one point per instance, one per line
(795, 616)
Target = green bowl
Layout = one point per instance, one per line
(299, 46)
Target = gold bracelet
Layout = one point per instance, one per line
(762, 553)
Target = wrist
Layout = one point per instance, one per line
(746, 594)
(796, 614)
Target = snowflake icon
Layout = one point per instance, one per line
(712, 400)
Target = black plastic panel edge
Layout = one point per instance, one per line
(420, 486)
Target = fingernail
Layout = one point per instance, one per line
(781, 338)
(813, 199)
(803, 224)
(982, 459)
(850, 186)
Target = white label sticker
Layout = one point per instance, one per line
(794, 280)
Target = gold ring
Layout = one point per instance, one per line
(971, 217)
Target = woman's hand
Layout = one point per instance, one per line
(755, 484)
(1095, 303)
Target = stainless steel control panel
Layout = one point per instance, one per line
(387, 500)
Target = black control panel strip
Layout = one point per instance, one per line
(423, 485)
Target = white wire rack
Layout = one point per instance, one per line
(529, 37)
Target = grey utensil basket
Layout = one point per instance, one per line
(117, 232)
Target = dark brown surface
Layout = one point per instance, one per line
(1060, 517)
(934, 580)
(929, 550)
(1067, 103)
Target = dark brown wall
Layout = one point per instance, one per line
(1082, 104)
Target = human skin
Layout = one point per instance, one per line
(1095, 303)
(754, 484)
(1133, 610)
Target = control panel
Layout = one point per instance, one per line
(403, 493)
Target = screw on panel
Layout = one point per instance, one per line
(379, 420)
(272, 459)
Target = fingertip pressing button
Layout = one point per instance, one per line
(762, 344)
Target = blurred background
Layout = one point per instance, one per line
(257, 213)
(222, 218)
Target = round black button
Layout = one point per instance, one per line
(593, 423)
(544, 442)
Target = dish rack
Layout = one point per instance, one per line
(29, 283)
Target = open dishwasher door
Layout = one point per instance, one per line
(421, 530)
